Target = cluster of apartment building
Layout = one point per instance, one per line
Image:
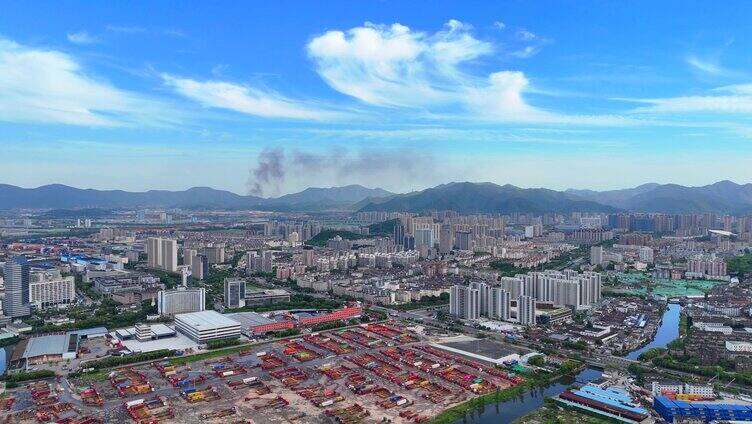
(516, 298)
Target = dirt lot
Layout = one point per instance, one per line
(363, 374)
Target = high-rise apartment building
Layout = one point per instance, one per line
(501, 304)
(596, 255)
(462, 240)
(267, 261)
(445, 239)
(169, 252)
(464, 302)
(526, 310)
(423, 237)
(154, 252)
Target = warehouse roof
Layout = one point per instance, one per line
(55, 344)
(206, 319)
(249, 319)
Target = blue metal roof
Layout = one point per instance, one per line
(612, 396)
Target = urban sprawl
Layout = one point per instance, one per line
(151, 316)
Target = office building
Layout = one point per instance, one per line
(181, 300)
(234, 293)
(16, 301)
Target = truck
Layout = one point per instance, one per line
(133, 403)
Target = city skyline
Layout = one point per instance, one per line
(407, 96)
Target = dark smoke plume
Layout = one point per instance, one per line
(379, 165)
(269, 172)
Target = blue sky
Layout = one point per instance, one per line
(272, 97)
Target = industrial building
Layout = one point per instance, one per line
(52, 347)
(675, 410)
(253, 323)
(263, 296)
(611, 402)
(207, 325)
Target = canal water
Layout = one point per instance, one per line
(510, 410)
(2, 360)
(667, 332)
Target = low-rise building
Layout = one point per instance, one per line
(205, 326)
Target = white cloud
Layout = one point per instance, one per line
(499, 25)
(707, 66)
(729, 99)
(719, 104)
(48, 86)
(128, 29)
(526, 52)
(81, 37)
(394, 66)
(245, 99)
(526, 35)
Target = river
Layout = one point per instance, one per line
(2, 360)
(667, 332)
(510, 410)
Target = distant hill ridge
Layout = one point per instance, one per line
(58, 196)
(721, 197)
(462, 197)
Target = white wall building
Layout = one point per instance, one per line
(205, 326)
(181, 300)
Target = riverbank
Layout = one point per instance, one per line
(460, 411)
(551, 412)
(667, 331)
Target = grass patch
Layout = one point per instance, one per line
(181, 360)
(27, 376)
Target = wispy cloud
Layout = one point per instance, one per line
(128, 29)
(81, 37)
(394, 66)
(246, 99)
(705, 65)
(49, 86)
(741, 104)
(729, 99)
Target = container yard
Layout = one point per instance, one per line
(360, 374)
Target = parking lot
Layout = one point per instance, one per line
(360, 374)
